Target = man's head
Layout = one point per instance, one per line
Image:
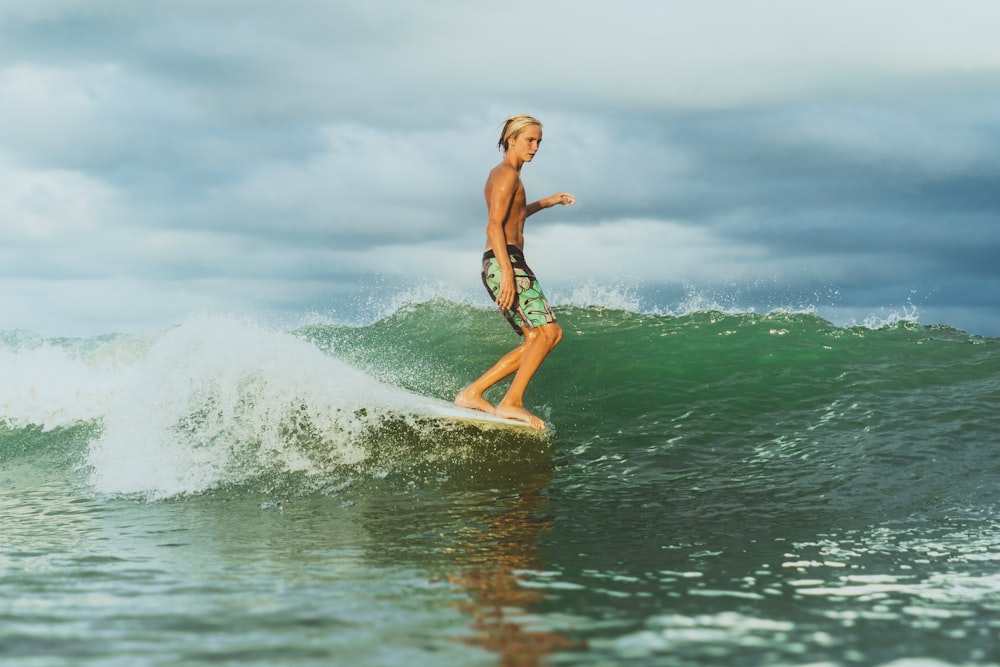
(514, 126)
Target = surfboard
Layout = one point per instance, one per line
(452, 411)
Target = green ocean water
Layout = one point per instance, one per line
(714, 489)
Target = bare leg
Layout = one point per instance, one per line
(472, 396)
(538, 342)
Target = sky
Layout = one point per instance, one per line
(305, 158)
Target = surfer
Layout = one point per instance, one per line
(511, 284)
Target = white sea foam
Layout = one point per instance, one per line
(601, 295)
(60, 384)
(217, 400)
(212, 401)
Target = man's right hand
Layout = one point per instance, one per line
(506, 293)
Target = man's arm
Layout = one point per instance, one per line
(564, 198)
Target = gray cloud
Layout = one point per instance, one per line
(242, 155)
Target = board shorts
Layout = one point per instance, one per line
(530, 306)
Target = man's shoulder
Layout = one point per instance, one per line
(505, 168)
(504, 174)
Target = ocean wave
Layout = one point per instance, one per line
(220, 401)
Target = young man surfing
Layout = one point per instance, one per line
(506, 275)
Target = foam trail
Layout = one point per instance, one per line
(218, 401)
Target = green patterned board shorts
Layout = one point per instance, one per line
(530, 306)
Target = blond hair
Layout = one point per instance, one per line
(514, 126)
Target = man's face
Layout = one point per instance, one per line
(525, 145)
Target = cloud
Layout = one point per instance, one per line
(244, 155)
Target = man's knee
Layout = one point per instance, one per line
(547, 334)
(553, 334)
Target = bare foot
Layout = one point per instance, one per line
(520, 414)
(473, 401)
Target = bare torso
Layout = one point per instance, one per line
(506, 203)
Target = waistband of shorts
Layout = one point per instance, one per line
(511, 250)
